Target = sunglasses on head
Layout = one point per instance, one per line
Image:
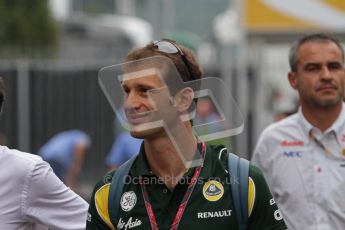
(168, 47)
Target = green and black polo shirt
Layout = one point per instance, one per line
(210, 205)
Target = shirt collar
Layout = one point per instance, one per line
(141, 167)
(336, 126)
(339, 122)
(305, 126)
(207, 169)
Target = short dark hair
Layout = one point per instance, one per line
(318, 37)
(151, 50)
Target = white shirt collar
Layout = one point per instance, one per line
(306, 127)
(339, 122)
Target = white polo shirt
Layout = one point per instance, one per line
(301, 175)
(31, 194)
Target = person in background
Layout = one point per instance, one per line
(206, 113)
(302, 156)
(65, 152)
(284, 106)
(125, 147)
(32, 196)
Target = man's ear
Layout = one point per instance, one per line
(292, 77)
(184, 99)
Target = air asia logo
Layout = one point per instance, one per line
(128, 200)
(213, 190)
(286, 143)
(129, 224)
(343, 139)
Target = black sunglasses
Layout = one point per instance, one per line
(170, 48)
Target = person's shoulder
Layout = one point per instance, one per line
(19, 164)
(257, 185)
(104, 182)
(14, 156)
(100, 194)
(255, 172)
(257, 179)
(101, 190)
(262, 207)
(98, 209)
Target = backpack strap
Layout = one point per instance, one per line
(116, 187)
(239, 172)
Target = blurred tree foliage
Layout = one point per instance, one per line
(94, 6)
(27, 29)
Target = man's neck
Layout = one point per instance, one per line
(322, 118)
(165, 161)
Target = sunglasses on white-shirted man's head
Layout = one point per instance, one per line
(168, 47)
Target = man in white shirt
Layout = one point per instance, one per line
(31, 195)
(303, 156)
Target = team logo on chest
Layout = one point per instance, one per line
(213, 190)
(128, 201)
